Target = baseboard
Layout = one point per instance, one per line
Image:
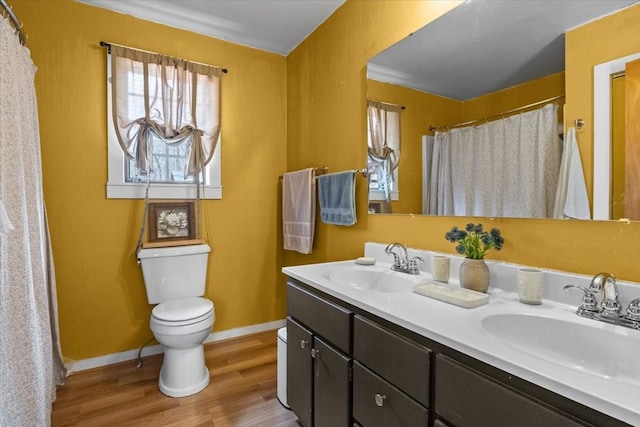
(123, 356)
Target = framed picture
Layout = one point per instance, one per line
(171, 221)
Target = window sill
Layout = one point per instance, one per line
(162, 191)
(379, 195)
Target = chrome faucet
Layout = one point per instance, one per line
(401, 261)
(600, 302)
(605, 285)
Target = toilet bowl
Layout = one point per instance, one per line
(181, 326)
(175, 279)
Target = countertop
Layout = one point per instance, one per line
(461, 329)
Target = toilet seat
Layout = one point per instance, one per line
(182, 312)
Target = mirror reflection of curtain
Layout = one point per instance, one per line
(504, 168)
(384, 144)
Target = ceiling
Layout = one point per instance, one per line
(276, 26)
(484, 46)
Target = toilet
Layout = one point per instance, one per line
(174, 279)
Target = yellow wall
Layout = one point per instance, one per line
(514, 97)
(327, 125)
(101, 296)
(600, 41)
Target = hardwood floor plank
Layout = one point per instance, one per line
(242, 391)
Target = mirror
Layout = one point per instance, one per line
(479, 60)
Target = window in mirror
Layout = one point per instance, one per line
(383, 157)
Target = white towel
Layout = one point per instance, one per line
(299, 210)
(571, 194)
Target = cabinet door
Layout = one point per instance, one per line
(332, 386)
(300, 371)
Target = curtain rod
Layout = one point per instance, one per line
(15, 22)
(108, 46)
(515, 110)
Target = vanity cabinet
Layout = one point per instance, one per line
(318, 360)
(348, 367)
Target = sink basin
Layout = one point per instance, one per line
(600, 350)
(371, 278)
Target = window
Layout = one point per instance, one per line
(167, 162)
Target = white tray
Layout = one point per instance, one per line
(452, 294)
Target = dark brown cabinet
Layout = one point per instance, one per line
(300, 371)
(467, 398)
(318, 373)
(349, 367)
(377, 403)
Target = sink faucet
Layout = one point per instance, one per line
(401, 261)
(605, 284)
(603, 288)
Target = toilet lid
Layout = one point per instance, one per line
(182, 309)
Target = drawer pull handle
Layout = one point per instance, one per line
(315, 353)
(380, 398)
(303, 344)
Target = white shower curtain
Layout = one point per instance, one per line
(30, 357)
(504, 168)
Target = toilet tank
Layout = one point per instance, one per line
(174, 272)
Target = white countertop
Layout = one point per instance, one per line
(460, 329)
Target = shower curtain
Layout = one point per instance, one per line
(504, 168)
(30, 358)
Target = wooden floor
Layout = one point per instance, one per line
(242, 392)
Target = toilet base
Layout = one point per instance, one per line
(183, 372)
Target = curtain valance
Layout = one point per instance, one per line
(174, 100)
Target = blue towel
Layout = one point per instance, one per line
(337, 197)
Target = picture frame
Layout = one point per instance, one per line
(171, 221)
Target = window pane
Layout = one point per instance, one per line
(167, 164)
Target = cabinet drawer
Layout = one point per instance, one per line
(395, 358)
(324, 318)
(378, 403)
(468, 398)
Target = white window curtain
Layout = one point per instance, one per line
(504, 168)
(181, 106)
(384, 142)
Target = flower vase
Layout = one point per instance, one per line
(173, 230)
(474, 275)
